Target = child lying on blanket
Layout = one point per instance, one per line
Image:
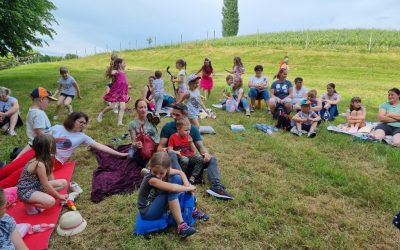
(9, 236)
(306, 119)
(37, 187)
(355, 116)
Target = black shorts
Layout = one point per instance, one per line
(389, 130)
(72, 96)
(7, 120)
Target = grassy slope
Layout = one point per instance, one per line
(328, 192)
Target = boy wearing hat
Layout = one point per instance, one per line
(306, 120)
(37, 121)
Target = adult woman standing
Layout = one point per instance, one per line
(9, 112)
(389, 115)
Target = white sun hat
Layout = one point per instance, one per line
(71, 223)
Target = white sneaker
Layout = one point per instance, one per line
(55, 118)
(100, 117)
(120, 124)
(115, 109)
(11, 132)
(75, 187)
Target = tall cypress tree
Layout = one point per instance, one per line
(230, 21)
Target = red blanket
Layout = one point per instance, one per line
(40, 241)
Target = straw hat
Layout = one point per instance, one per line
(71, 223)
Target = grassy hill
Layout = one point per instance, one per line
(290, 192)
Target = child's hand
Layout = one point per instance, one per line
(191, 188)
(63, 197)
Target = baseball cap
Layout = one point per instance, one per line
(42, 92)
(193, 77)
(304, 102)
(181, 106)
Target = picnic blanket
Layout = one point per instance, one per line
(363, 134)
(116, 174)
(40, 241)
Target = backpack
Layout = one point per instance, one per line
(230, 105)
(187, 203)
(284, 120)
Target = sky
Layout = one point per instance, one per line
(85, 27)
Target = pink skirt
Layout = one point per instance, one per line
(206, 83)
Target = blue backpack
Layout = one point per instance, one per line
(187, 202)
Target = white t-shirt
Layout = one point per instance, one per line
(158, 86)
(36, 118)
(67, 85)
(182, 74)
(238, 91)
(259, 80)
(193, 102)
(6, 106)
(67, 142)
(299, 94)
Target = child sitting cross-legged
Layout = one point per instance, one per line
(160, 189)
(182, 144)
(306, 120)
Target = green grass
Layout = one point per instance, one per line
(290, 192)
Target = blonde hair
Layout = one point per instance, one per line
(182, 122)
(5, 91)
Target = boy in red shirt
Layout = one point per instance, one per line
(182, 144)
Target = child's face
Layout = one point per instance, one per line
(159, 172)
(330, 90)
(236, 83)
(356, 105)
(122, 65)
(178, 65)
(305, 108)
(206, 62)
(64, 75)
(193, 85)
(43, 103)
(151, 80)
(184, 130)
(229, 81)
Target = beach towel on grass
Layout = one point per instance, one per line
(365, 133)
(39, 241)
(115, 174)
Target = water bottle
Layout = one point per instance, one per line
(131, 152)
(38, 228)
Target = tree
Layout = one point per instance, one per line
(21, 24)
(230, 21)
(149, 40)
(71, 56)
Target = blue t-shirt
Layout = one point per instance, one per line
(67, 85)
(393, 110)
(281, 89)
(5, 106)
(170, 129)
(7, 227)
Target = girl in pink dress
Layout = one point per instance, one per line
(206, 82)
(118, 92)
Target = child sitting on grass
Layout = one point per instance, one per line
(9, 235)
(355, 116)
(227, 91)
(160, 189)
(182, 144)
(37, 187)
(306, 120)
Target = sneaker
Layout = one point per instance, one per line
(192, 180)
(299, 133)
(144, 172)
(55, 118)
(116, 109)
(219, 192)
(156, 119)
(184, 230)
(248, 112)
(11, 132)
(120, 124)
(252, 109)
(198, 215)
(100, 117)
(75, 187)
(149, 117)
(312, 134)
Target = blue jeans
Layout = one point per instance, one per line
(333, 112)
(243, 103)
(159, 205)
(212, 168)
(256, 94)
